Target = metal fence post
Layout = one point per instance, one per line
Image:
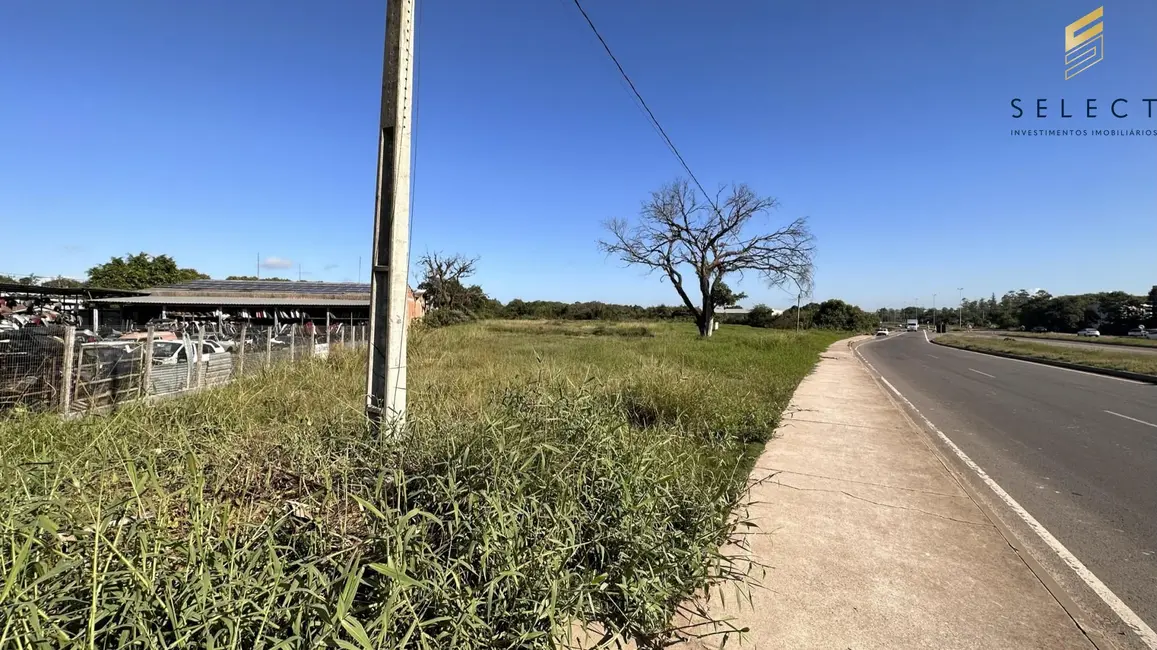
(66, 371)
(327, 331)
(201, 358)
(268, 346)
(147, 359)
(241, 354)
(312, 340)
(188, 343)
(343, 335)
(293, 342)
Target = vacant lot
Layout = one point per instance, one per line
(1089, 356)
(551, 473)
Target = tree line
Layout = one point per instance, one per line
(139, 271)
(1112, 312)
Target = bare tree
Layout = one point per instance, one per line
(677, 233)
(442, 277)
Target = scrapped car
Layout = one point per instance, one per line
(167, 353)
(1089, 331)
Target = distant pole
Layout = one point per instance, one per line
(389, 263)
(798, 296)
(960, 309)
(933, 311)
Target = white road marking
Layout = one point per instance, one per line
(982, 373)
(1148, 424)
(1128, 616)
(933, 356)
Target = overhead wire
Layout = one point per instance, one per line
(650, 114)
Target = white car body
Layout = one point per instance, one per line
(883, 331)
(226, 344)
(166, 353)
(1089, 331)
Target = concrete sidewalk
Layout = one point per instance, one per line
(870, 542)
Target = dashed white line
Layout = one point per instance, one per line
(1127, 615)
(933, 356)
(1148, 424)
(982, 373)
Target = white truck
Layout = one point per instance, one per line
(912, 325)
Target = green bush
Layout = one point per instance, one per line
(445, 317)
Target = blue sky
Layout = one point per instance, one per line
(219, 131)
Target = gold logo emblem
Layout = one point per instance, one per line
(1084, 42)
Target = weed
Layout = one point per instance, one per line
(544, 478)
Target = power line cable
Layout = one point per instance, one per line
(650, 113)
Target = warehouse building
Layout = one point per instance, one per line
(253, 302)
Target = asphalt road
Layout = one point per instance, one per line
(1086, 344)
(1077, 451)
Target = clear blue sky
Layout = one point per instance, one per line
(217, 131)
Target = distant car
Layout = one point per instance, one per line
(1089, 331)
(1040, 330)
(883, 331)
(1138, 332)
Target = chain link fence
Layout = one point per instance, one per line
(61, 368)
(31, 365)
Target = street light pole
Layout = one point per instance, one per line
(960, 309)
(933, 311)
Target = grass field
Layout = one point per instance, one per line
(551, 473)
(1128, 341)
(1090, 356)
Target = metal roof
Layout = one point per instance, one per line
(7, 287)
(235, 301)
(268, 286)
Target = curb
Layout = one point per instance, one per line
(1120, 374)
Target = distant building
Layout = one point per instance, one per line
(256, 302)
(740, 311)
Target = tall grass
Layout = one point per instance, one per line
(545, 478)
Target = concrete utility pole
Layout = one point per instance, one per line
(933, 311)
(390, 262)
(960, 309)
